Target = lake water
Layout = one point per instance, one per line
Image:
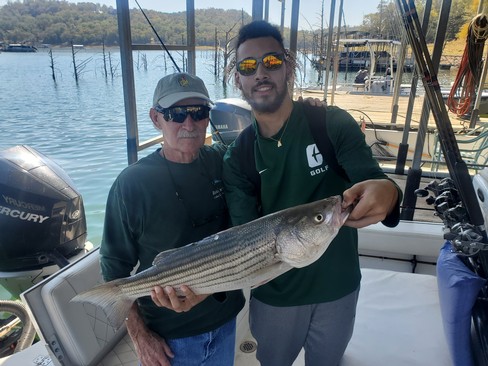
(81, 125)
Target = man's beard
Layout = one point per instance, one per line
(266, 105)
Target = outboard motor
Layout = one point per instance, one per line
(229, 116)
(42, 218)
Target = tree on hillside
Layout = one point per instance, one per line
(458, 15)
(382, 24)
(60, 22)
(471, 9)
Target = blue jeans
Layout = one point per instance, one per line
(214, 348)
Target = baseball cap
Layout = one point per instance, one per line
(175, 87)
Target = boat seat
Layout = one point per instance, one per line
(382, 247)
(358, 86)
(398, 323)
(75, 334)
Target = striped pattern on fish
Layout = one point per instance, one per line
(243, 256)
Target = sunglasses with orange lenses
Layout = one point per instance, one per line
(271, 61)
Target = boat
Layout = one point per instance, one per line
(376, 54)
(445, 66)
(401, 317)
(17, 47)
(393, 268)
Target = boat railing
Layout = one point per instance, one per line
(473, 146)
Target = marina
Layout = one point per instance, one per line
(399, 317)
(377, 55)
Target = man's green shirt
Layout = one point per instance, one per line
(296, 173)
(144, 216)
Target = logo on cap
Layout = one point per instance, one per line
(183, 81)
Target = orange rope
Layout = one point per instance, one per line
(463, 91)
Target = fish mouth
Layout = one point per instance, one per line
(344, 213)
(340, 214)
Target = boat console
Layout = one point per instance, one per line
(75, 333)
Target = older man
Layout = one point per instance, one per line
(170, 198)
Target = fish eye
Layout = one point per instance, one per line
(319, 218)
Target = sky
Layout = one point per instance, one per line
(354, 10)
(309, 9)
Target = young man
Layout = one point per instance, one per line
(312, 307)
(168, 199)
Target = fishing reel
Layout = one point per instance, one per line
(444, 196)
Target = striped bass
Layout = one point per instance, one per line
(244, 256)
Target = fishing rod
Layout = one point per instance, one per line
(216, 132)
(456, 166)
(157, 35)
(403, 148)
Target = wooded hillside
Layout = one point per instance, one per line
(60, 23)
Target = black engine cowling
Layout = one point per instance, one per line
(42, 218)
(229, 116)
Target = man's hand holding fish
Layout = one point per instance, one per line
(168, 298)
(372, 200)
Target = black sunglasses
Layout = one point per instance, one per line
(271, 61)
(178, 114)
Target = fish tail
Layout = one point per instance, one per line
(110, 299)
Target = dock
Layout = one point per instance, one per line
(378, 108)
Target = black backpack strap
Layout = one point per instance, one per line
(244, 148)
(317, 119)
(316, 116)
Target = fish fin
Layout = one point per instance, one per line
(110, 300)
(265, 275)
(166, 255)
(163, 256)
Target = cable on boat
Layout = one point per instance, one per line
(378, 146)
(463, 91)
(379, 143)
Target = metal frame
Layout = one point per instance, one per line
(127, 67)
